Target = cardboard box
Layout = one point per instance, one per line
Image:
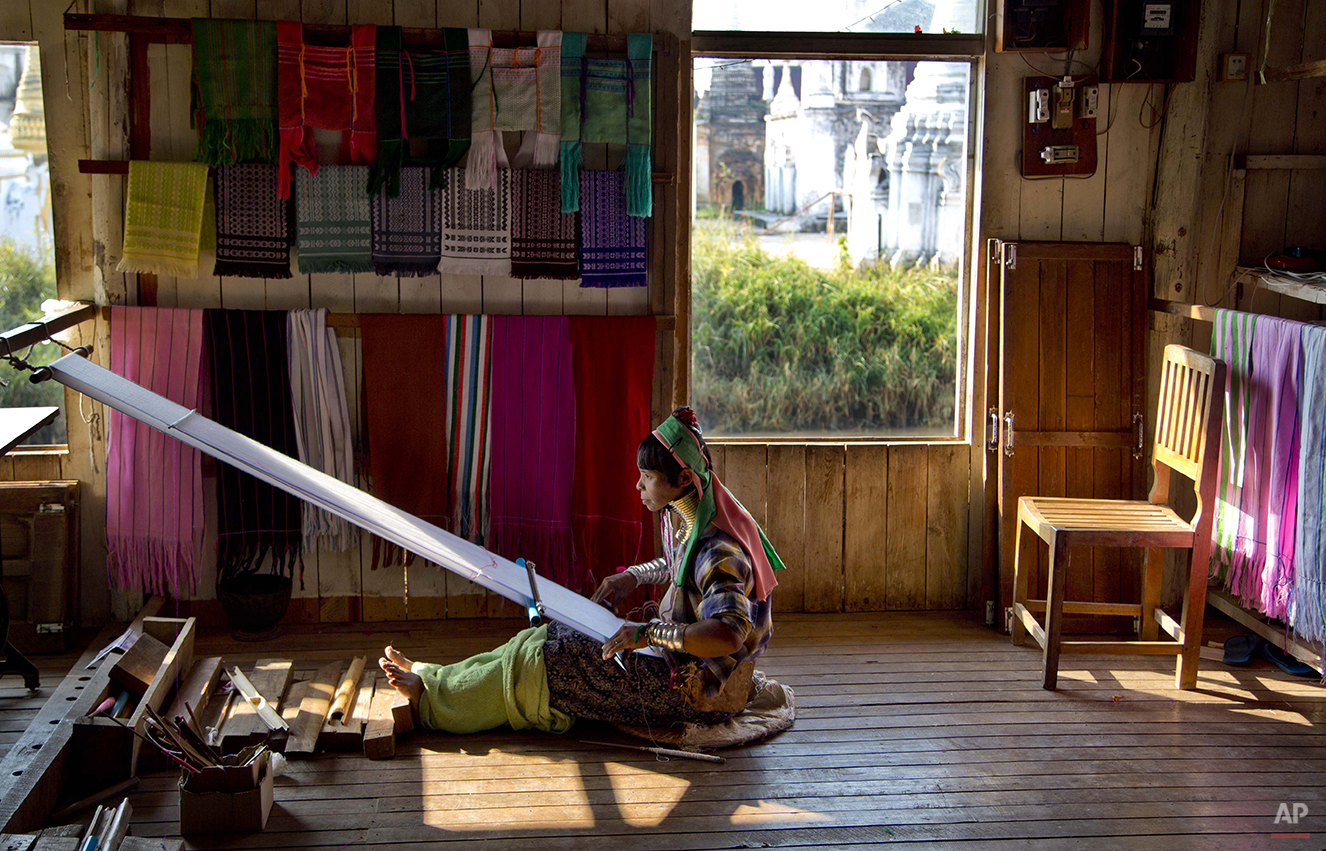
(232, 798)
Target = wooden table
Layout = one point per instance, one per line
(16, 424)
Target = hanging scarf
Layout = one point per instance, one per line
(407, 229)
(329, 88)
(234, 90)
(719, 507)
(1308, 614)
(476, 227)
(333, 222)
(253, 228)
(428, 434)
(1275, 381)
(534, 443)
(163, 218)
(322, 421)
(250, 387)
(422, 95)
(612, 244)
(1231, 341)
(608, 100)
(513, 89)
(544, 240)
(154, 485)
(612, 361)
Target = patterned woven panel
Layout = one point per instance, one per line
(253, 229)
(407, 229)
(476, 226)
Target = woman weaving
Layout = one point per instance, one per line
(714, 621)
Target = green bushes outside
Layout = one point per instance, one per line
(25, 282)
(780, 346)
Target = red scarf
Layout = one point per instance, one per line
(330, 88)
(612, 362)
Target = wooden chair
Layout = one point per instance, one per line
(1187, 439)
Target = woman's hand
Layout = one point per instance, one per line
(614, 589)
(631, 636)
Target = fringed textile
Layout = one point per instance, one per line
(329, 88)
(1275, 379)
(428, 437)
(234, 90)
(250, 388)
(533, 444)
(513, 89)
(476, 226)
(1309, 599)
(322, 421)
(154, 486)
(612, 244)
(544, 241)
(407, 229)
(422, 95)
(612, 361)
(332, 219)
(253, 227)
(608, 100)
(163, 218)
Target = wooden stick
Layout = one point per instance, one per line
(91, 800)
(348, 688)
(704, 757)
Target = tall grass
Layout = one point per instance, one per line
(780, 346)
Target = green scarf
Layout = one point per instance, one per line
(234, 90)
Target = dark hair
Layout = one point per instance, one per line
(653, 455)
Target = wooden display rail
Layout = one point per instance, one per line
(1307, 652)
(180, 31)
(122, 167)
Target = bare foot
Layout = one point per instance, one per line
(400, 677)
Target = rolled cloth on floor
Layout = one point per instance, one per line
(1308, 614)
(154, 485)
(250, 386)
(253, 225)
(234, 90)
(612, 244)
(333, 220)
(612, 360)
(505, 686)
(534, 443)
(322, 421)
(163, 218)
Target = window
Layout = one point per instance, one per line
(27, 249)
(831, 231)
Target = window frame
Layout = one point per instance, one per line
(906, 47)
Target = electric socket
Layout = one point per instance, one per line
(1090, 103)
(1233, 66)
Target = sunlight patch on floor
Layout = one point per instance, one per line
(772, 812)
(665, 792)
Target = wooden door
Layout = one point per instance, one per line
(1071, 403)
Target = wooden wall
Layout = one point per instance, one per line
(865, 526)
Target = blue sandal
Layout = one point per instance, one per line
(1239, 649)
(1285, 662)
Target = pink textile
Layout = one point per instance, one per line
(534, 430)
(154, 491)
(1275, 385)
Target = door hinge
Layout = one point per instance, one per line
(49, 628)
(51, 508)
(1011, 255)
(992, 438)
(1008, 434)
(1139, 422)
(1137, 258)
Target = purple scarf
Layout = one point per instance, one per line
(612, 244)
(534, 429)
(1274, 392)
(154, 486)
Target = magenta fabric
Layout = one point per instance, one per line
(1275, 385)
(154, 491)
(534, 430)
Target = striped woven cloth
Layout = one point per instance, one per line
(1231, 341)
(469, 436)
(163, 219)
(1309, 601)
(234, 90)
(513, 89)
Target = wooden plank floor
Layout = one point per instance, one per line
(913, 731)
